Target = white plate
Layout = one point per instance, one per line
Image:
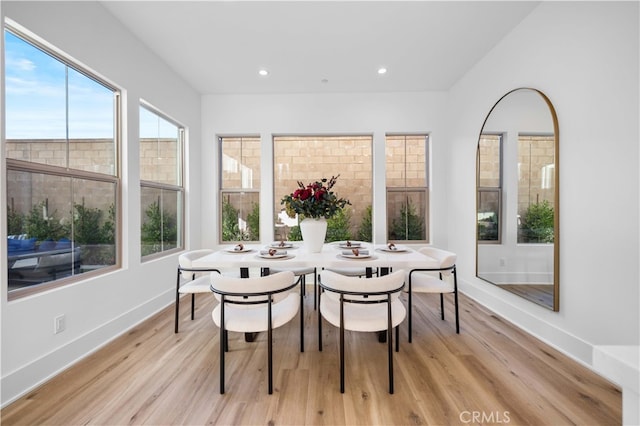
(398, 249)
(353, 256)
(233, 250)
(352, 246)
(275, 256)
(279, 244)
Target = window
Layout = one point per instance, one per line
(161, 189)
(310, 158)
(240, 188)
(61, 127)
(490, 189)
(536, 188)
(407, 187)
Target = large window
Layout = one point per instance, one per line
(407, 187)
(490, 189)
(311, 158)
(536, 188)
(61, 145)
(239, 188)
(161, 189)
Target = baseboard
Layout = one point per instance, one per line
(23, 380)
(572, 346)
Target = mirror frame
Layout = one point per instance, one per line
(556, 216)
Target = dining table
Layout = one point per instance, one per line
(335, 255)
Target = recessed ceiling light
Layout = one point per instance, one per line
(324, 80)
(263, 72)
(382, 70)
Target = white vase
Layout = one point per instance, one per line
(313, 233)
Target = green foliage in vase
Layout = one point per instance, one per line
(338, 226)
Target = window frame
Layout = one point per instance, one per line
(223, 191)
(411, 189)
(16, 165)
(177, 188)
(492, 189)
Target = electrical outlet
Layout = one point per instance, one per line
(59, 324)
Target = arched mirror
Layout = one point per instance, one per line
(517, 197)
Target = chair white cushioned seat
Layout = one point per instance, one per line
(199, 285)
(368, 305)
(244, 307)
(351, 272)
(296, 271)
(191, 280)
(438, 276)
(423, 282)
(362, 317)
(248, 320)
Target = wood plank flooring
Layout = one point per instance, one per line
(491, 373)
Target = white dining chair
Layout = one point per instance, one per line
(438, 279)
(255, 304)
(191, 280)
(368, 305)
(301, 274)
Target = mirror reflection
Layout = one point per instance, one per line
(517, 197)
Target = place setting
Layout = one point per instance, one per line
(393, 248)
(238, 248)
(282, 245)
(274, 253)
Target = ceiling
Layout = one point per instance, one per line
(320, 46)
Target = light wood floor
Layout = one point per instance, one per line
(491, 373)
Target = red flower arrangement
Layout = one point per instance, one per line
(314, 200)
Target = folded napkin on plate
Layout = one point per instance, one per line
(350, 244)
(392, 246)
(355, 252)
(239, 247)
(273, 252)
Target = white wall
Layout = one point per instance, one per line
(584, 57)
(371, 113)
(98, 309)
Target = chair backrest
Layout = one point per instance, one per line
(356, 288)
(185, 260)
(253, 289)
(445, 259)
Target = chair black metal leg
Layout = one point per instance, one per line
(341, 344)
(270, 348)
(301, 322)
(410, 308)
(315, 288)
(175, 329)
(442, 306)
(223, 334)
(390, 344)
(397, 338)
(193, 305)
(319, 326)
(226, 340)
(455, 299)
